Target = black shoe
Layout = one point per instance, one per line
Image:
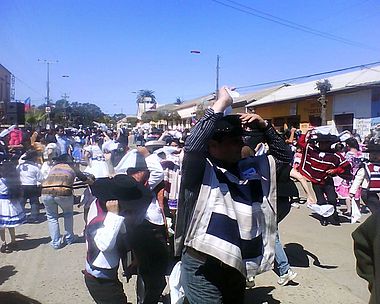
(335, 223)
(334, 219)
(324, 222)
(364, 210)
(3, 248)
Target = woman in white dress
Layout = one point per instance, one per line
(97, 165)
(11, 212)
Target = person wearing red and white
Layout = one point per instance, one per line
(318, 164)
(368, 178)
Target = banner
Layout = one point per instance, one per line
(362, 126)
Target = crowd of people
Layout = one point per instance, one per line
(207, 200)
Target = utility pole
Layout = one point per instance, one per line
(48, 63)
(217, 77)
(65, 97)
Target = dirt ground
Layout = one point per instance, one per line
(322, 256)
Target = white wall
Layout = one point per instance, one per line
(358, 103)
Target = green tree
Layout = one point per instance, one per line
(74, 113)
(200, 112)
(35, 117)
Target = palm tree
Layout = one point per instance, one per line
(145, 95)
(323, 86)
(34, 117)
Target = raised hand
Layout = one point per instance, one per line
(113, 206)
(252, 120)
(224, 100)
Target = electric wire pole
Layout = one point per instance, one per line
(217, 77)
(48, 63)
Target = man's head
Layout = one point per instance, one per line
(325, 141)
(227, 142)
(60, 130)
(141, 176)
(352, 143)
(374, 156)
(134, 165)
(129, 193)
(373, 148)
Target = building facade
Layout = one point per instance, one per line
(353, 102)
(5, 91)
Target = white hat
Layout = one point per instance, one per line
(132, 160)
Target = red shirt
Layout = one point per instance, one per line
(315, 163)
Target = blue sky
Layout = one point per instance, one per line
(110, 49)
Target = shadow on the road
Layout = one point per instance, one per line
(342, 219)
(74, 213)
(299, 257)
(27, 244)
(260, 295)
(14, 297)
(22, 236)
(5, 273)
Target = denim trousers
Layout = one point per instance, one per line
(211, 282)
(280, 257)
(51, 205)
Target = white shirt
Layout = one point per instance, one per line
(154, 213)
(361, 179)
(105, 240)
(30, 174)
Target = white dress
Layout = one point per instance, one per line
(97, 165)
(11, 212)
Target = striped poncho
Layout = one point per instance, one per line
(234, 217)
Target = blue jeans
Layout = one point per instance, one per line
(280, 257)
(211, 282)
(51, 205)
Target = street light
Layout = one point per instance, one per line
(217, 72)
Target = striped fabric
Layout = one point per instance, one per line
(59, 181)
(12, 221)
(315, 163)
(234, 220)
(373, 173)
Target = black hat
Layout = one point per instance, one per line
(123, 188)
(325, 138)
(63, 158)
(229, 125)
(30, 154)
(373, 146)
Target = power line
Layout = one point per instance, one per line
(268, 17)
(308, 76)
(28, 86)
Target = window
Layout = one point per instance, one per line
(315, 121)
(344, 122)
(291, 121)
